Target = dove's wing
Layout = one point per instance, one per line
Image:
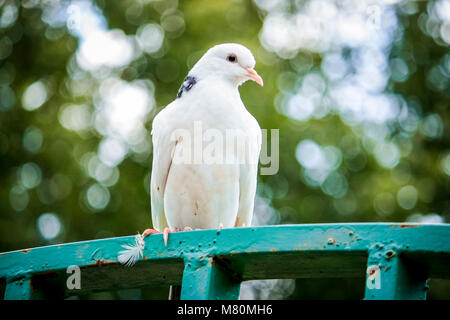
(163, 150)
(248, 179)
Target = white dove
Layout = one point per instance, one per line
(195, 193)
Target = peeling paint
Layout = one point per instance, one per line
(403, 225)
(102, 262)
(390, 254)
(93, 255)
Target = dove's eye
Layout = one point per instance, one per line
(232, 58)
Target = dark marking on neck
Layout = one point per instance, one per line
(187, 85)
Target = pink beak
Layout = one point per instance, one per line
(254, 76)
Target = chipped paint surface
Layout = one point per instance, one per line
(228, 253)
(414, 225)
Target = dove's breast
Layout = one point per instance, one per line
(202, 196)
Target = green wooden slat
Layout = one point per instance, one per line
(19, 289)
(205, 279)
(390, 276)
(270, 252)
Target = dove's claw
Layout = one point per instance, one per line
(148, 232)
(166, 236)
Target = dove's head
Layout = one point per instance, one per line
(230, 61)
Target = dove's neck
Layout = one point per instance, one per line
(215, 76)
(217, 85)
(218, 82)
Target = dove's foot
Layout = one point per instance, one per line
(148, 232)
(167, 231)
(166, 234)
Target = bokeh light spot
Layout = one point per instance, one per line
(335, 185)
(112, 151)
(384, 204)
(49, 226)
(32, 139)
(8, 98)
(432, 218)
(432, 126)
(445, 164)
(75, 117)
(407, 197)
(18, 198)
(34, 96)
(30, 175)
(100, 48)
(150, 37)
(97, 196)
(387, 154)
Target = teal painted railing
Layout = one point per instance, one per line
(396, 259)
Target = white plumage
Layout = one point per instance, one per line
(206, 195)
(200, 194)
(132, 253)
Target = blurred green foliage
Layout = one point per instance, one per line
(359, 92)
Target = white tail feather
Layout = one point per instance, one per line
(132, 253)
